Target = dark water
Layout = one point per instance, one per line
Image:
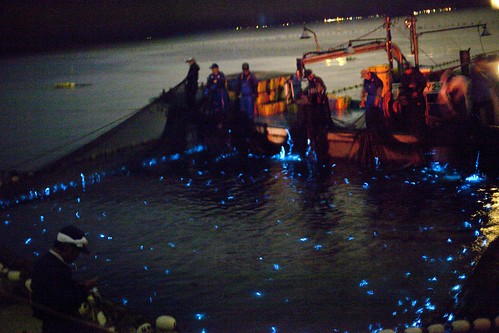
(226, 243)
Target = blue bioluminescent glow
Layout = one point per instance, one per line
(258, 294)
(363, 283)
(82, 176)
(200, 316)
(276, 267)
(27, 241)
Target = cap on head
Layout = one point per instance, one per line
(245, 66)
(213, 66)
(73, 235)
(307, 73)
(191, 59)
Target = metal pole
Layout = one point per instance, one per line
(414, 36)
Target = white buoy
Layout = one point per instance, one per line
(166, 323)
(436, 328)
(145, 328)
(387, 331)
(84, 308)
(27, 284)
(460, 326)
(413, 330)
(101, 318)
(14, 275)
(481, 324)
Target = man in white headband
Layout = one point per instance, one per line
(56, 295)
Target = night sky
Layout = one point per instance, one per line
(37, 25)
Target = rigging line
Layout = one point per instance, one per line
(419, 47)
(360, 37)
(66, 144)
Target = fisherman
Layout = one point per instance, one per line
(318, 117)
(191, 84)
(217, 95)
(246, 90)
(480, 93)
(316, 90)
(411, 98)
(296, 85)
(56, 296)
(371, 98)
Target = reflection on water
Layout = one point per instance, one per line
(225, 242)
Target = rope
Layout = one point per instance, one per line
(66, 144)
(365, 35)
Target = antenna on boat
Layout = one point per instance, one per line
(305, 35)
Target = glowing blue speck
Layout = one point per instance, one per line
(102, 236)
(77, 215)
(363, 283)
(276, 267)
(124, 301)
(27, 241)
(318, 247)
(42, 218)
(200, 316)
(370, 292)
(450, 258)
(258, 294)
(456, 287)
(304, 239)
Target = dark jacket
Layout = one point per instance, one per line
(247, 85)
(54, 289)
(374, 86)
(191, 80)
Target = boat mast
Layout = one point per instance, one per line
(388, 46)
(389, 43)
(411, 24)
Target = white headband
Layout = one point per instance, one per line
(63, 238)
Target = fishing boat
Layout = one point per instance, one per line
(350, 139)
